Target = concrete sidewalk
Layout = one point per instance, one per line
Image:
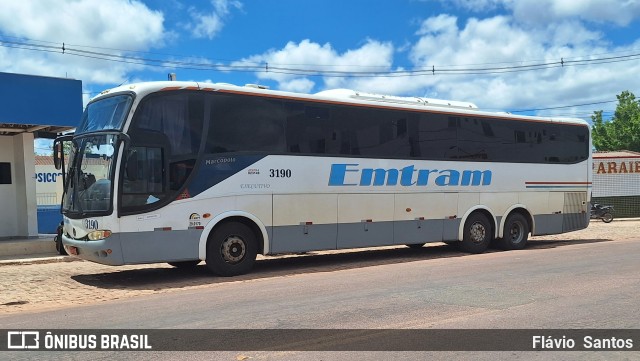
(40, 249)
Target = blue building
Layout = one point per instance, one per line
(31, 107)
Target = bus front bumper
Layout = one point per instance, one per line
(105, 251)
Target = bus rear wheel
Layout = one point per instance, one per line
(516, 233)
(231, 249)
(477, 234)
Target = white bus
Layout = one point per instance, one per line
(196, 172)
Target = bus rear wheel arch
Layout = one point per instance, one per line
(232, 247)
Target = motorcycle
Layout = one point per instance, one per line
(599, 211)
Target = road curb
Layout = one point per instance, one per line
(39, 260)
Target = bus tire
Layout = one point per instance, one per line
(516, 233)
(185, 264)
(477, 234)
(231, 249)
(59, 245)
(416, 245)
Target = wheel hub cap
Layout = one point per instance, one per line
(478, 232)
(516, 232)
(233, 249)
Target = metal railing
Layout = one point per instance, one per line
(47, 199)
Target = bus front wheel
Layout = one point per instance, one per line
(477, 234)
(231, 249)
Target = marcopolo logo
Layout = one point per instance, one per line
(346, 174)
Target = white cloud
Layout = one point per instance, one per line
(311, 56)
(120, 24)
(501, 41)
(447, 42)
(614, 11)
(299, 85)
(443, 23)
(549, 11)
(208, 25)
(476, 5)
(478, 42)
(115, 24)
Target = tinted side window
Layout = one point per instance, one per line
(178, 116)
(503, 140)
(166, 134)
(530, 141)
(343, 130)
(246, 124)
(565, 144)
(375, 132)
(436, 136)
(311, 130)
(254, 124)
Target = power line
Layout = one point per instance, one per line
(209, 65)
(281, 69)
(563, 106)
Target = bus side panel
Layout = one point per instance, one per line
(537, 203)
(419, 217)
(160, 246)
(304, 222)
(365, 220)
(551, 219)
(574, 211)
(452, 220)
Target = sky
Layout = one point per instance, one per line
(522, 56)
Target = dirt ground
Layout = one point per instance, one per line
(39, 286)
(619, 229)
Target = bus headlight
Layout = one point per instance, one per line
(98, 235)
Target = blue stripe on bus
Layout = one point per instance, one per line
(216, 168)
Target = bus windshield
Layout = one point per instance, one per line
(105, 114)
(88, 189)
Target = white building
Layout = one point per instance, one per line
(616, 181)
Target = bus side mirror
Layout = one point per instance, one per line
(58, 153)
(58, 150)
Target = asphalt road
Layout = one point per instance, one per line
(581, 284)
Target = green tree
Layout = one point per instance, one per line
(622, 132)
